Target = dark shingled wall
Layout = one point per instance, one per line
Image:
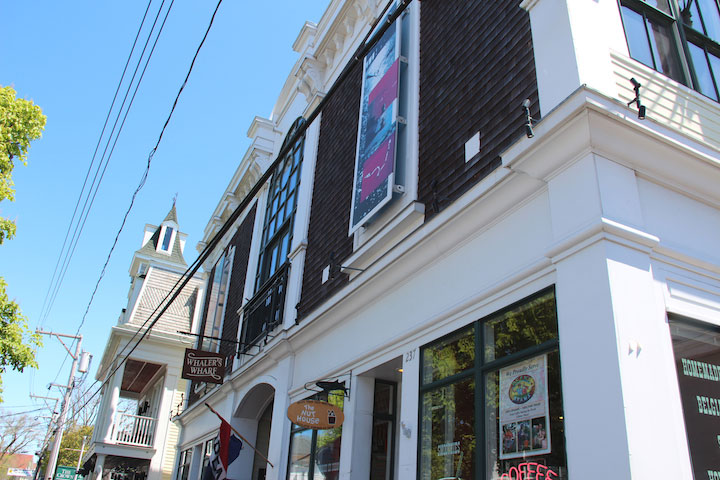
(241, 240)
(476, 68)
(332, 193)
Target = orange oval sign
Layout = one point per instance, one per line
(315, 414)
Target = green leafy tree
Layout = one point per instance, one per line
(21, 122)
(71, 445)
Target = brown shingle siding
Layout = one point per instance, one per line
(332, 193)
(476, 68)
(241, 241)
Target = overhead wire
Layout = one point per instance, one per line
(105, 160)
(92, 161)
(86, 211)
(373, 35)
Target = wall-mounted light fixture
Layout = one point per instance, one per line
(636, 100)
(528, 119)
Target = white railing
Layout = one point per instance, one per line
(134, 430)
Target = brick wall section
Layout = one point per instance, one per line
(476, 68)
(241, 241)
(332, 193)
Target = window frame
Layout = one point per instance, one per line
(184, 464)
(276, 243)
(214, 313)
(479, 371)
(682, 37)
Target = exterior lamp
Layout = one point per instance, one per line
(636, 100)
(528, 119)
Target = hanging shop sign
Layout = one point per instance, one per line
(64, 473)
(202, 366)
(377, 131)
(315, 414)
(524, 409)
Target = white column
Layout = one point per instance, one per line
(572, 41)
(162, 423)
(99, 464)
(114, 397)
(278, 448)
(357, 430)
(407, 434)
(301, 224)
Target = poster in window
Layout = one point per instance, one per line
(697, 359)
(524, 409)
(377, 131)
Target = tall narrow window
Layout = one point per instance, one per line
(280, 213)
(265, 310)
(217, 290)
(184, 465)
(166, 239)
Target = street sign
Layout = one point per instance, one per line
(65, 473)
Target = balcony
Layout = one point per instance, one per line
(134, 430)
(265, 310)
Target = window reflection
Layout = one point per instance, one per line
(448, 432)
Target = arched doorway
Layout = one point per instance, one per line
(253, 419)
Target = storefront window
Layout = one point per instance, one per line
(450, 356)
(184, 465)
(315, 454)
(515, 414)
(697, 360)
(448, 432)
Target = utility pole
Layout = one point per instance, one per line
(52, 460)
(53, 413)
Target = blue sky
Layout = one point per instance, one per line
(68, 58)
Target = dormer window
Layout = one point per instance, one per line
(166, 239)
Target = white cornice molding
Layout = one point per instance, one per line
(589, 121)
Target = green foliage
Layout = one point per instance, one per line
(21, 122)
(71, 445)
(17, 343)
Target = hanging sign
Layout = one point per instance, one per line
(64, 473)
(377, 131)
(524, 409)
(315, 414)
(202, 366)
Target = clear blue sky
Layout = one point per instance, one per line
(68, 57)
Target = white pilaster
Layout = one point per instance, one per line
(114, 398)
(407, 435)
(572, 41)
(278, 449)
(357, 430)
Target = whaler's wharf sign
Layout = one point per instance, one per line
(202, 366)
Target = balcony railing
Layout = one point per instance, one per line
(265, 310)
(134, 430)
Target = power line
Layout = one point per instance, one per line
(93, 190)
(92, 161)
(368, 42)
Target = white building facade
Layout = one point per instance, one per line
(537, 298)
